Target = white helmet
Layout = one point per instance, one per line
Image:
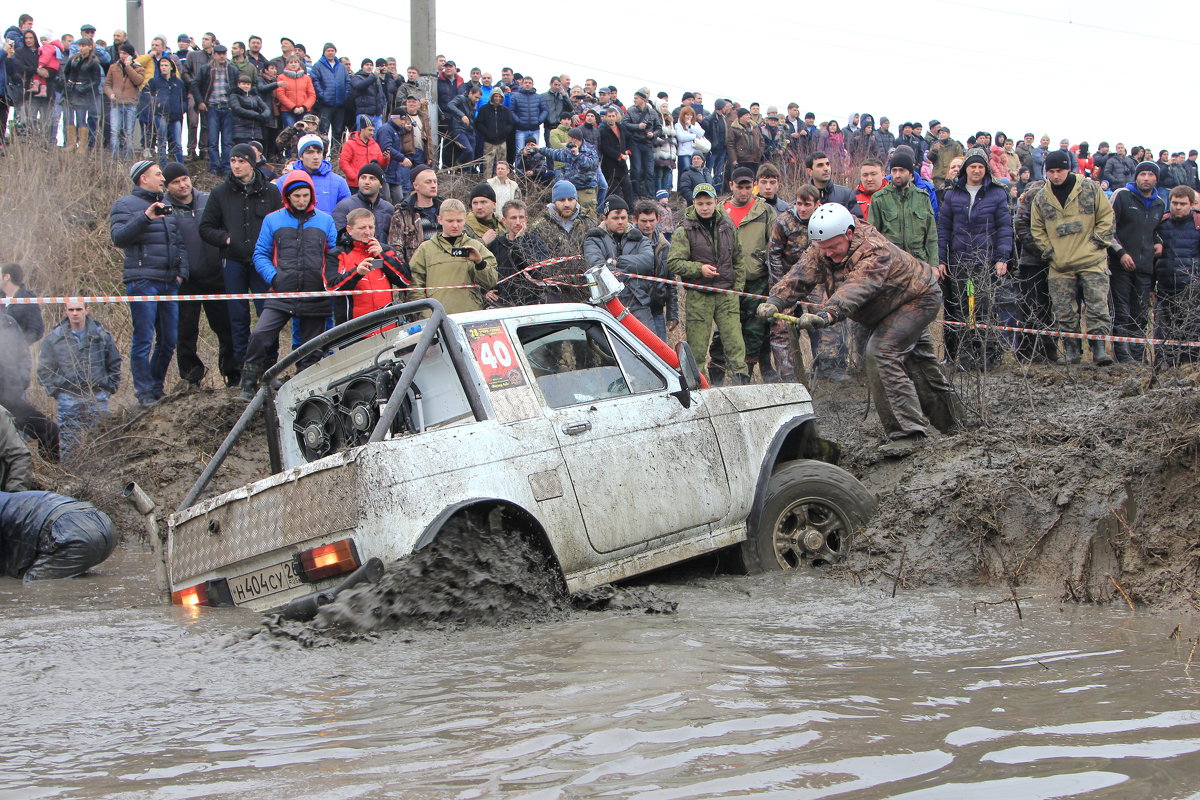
(828, 221)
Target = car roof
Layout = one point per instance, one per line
(520, 311)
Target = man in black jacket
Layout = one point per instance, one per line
(1137, 210)
(642, 124)
(204, 277)
(231, 221)
(155, 265)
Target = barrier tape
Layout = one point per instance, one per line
(543, 282)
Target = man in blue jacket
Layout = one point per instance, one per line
(330, 187)
(155, 264)
(332, 84)
(529, 111)
(975, 242)
(294, 247)
(47, 535)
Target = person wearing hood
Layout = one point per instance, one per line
(705, 250)
(156, 263)
(1071, 223)
(453, 258)
(975, 242)
(1137, 211)
(296, 247)
(363, 262)
(329, 187)
(494, 124)
(205, 276)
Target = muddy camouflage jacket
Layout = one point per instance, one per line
(876, 278)
(1074, 238)
(789, 240)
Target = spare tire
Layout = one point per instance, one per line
(810, 515)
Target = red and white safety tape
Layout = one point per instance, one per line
(545, 282)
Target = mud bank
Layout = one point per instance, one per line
(1076, 478)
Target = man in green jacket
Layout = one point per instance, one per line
(453, 258)
(903, 213)
(705, 250)
(1071, 222)
(753, 219)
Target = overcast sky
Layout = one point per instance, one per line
(1075, 69)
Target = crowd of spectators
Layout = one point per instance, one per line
(329, 179)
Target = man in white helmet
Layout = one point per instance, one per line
(894, 296)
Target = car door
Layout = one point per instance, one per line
(643, 466)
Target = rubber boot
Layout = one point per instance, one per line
(1072, 352)
(250, 375)
(1100, 355)
(1121, 352)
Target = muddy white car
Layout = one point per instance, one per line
(556, 420)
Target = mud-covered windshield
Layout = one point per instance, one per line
(579, 362)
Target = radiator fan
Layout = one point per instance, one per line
(317, 428)
(360, 404)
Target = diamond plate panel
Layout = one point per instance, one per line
(545, 485)
(310, 506)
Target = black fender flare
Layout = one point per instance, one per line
(769, 460)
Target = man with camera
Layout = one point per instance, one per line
(156, 263)
(453, 258)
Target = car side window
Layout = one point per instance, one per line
(578, 362)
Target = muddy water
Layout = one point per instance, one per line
(778, 686)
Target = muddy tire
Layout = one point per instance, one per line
(811, 514)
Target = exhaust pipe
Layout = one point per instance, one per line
(142, 503)
(604, 288)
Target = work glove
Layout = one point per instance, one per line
(766, 310)
(812, 322)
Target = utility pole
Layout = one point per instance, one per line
(423, 49)
(135, 25)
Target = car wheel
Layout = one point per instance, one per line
(810, 516)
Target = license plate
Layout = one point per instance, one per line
(264, 582)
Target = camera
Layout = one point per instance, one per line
(460, 252)
(164, 210)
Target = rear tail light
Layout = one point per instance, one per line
(210, 593)
(327, 560)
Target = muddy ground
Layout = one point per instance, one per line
(1070, 477)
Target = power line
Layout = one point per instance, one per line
(1069, 22)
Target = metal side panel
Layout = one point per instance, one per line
(299, 508)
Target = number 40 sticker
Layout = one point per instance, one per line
(494, 352)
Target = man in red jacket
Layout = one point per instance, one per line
(360, 150)
(363, 263)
